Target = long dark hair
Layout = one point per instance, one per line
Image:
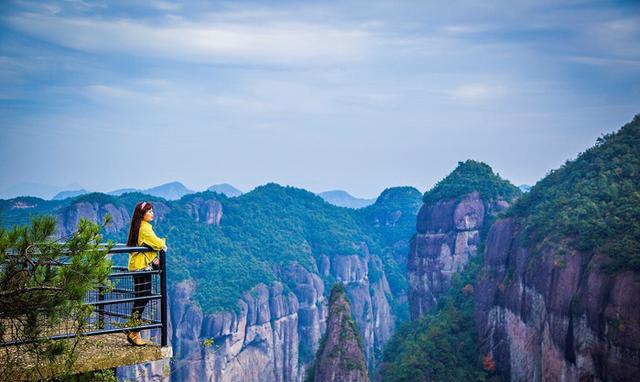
(136, 219)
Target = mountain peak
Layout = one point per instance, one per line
(470, 176)
(340, 356)
(342, 198)
(170, 191)
(226, 189)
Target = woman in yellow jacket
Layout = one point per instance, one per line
(141, 234)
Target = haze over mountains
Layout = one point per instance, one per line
(344, 199)
(492, 282)
(169, 191)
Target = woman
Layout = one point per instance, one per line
(141, 234)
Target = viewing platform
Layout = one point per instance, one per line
(102, 343)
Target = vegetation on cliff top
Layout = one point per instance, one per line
(593, 201)
(468, 177)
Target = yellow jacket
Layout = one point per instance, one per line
(146, 236)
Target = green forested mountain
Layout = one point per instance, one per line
(260, 231)
(442, 345)
(593, 202)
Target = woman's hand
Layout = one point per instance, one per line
(156, 261)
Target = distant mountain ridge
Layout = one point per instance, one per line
(342, 198)
(69, 194)
(169, 191)
(226, 189)
(38, 190)
(121, 191)
(524, 188)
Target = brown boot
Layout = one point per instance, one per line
(129, 340)
(135, 339)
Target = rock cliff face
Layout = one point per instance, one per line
(369, 293)
(207, 211)
(275, 331)
(69, 217)
(555, 317)
(448, 235)
(273, 336)
(257, 342)
(341, 358)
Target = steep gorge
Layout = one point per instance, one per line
(227, 327)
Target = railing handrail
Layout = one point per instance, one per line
(124, 272)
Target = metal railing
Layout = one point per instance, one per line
(134, 301)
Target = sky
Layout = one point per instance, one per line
(322, 95)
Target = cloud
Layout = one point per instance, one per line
(268, 43)
(476, 92)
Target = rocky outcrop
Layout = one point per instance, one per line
(208, 211)
(368, 290)
(69, 217)
(547, 315)
(272, 335)
(312, 309)
(257, 342)
(448, 235)
(341, 358)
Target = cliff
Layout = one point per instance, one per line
(557, 298)
(340, 357)
(449, 230)
(224, 252)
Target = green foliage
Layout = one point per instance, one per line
(441, 346)
(42, 284)
(472, 176)
(263, 232)
(593, 202)
(21, 210)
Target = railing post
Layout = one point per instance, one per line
(100, 307)
(163, 300)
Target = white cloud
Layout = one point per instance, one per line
(465, 29)
(288, 43)
(476, 92)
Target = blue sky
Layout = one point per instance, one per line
(354, 95)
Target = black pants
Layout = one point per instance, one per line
(142, 288)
